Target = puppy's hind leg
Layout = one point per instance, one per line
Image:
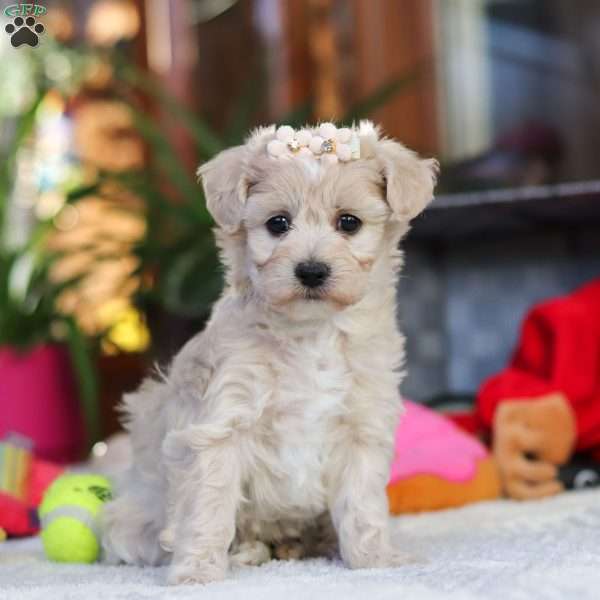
(252, 553)
(131, 525)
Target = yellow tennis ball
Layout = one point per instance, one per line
(69, 517)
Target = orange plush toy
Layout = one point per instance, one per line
(532, 439)
(545, 405)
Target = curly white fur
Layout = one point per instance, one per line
(277, 421)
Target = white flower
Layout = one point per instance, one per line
(315, 144)
(326, 143)
(285, 133)
(276, 148)
(304, 136)
(344, 135)
(328, 131)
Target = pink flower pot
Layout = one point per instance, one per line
(39, 400)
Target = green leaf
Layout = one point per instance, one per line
(192, 281)
(82, 192)
(299, 116)
(24, 127)
(207, 141)
(165, 156)
(85, 373)
(145, 187)
(242, 120)
(381, 96)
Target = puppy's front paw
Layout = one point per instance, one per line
(196, 570)
(375, 553)
(396, 558)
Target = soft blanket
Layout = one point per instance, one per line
(495, 550)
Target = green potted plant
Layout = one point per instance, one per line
(47, 380)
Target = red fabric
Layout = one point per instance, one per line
(465, 420)
(41, 474)
(17, 517)
(559, 351)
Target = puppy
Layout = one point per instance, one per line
(273, 429)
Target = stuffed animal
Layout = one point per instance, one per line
(437, 465)
(545, 405)
(532, 438)
(23, 480)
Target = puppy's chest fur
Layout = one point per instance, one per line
(306, 395)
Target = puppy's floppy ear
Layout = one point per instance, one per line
(409, 180)
(225, 187)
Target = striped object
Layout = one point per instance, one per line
(15, 462)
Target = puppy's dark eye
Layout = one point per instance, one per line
(278, 224)
(349, 223)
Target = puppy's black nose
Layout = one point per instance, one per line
(312, 274)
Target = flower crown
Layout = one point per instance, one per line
(326, 143)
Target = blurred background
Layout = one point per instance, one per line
(107, 263)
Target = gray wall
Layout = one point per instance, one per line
(461, 307)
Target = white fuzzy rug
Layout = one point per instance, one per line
(497, 550)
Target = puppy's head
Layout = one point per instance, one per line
(309, 235)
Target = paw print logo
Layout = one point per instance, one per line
(24, 31)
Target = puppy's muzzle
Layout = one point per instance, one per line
(312, 274)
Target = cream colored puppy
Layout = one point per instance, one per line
(278, 420)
